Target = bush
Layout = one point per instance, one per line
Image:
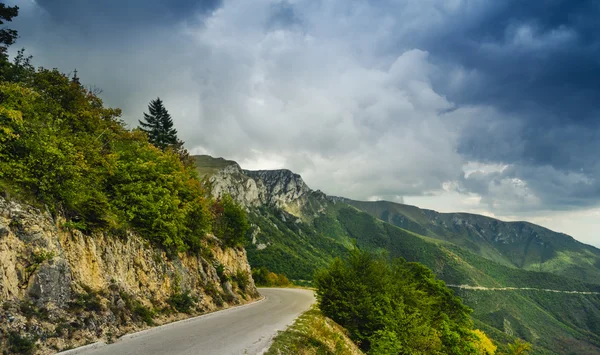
(21, 344)
(263, 277)
(143, 313)
(242, 279)
(230, 221)
(396, 307)
(182, 302)
(89, 300)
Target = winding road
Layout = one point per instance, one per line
(247, 329)
(482, 288)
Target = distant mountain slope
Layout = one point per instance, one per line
(519, 244)
(297, 230)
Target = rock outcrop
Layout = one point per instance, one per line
(60, 288)
(281, 189)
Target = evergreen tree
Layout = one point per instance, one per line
(158, 124)
(7, 36)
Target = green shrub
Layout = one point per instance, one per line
(182, 302)
(20, 344)
(221, 273)
(72, 225)
(263, 277)
(396, 307)
(29, 310)
(89, 300)
(242, 278)
(230, 221)
(143, 313)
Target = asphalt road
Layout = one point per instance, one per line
(242, 330)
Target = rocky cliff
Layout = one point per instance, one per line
(272, 188)
(60, 288)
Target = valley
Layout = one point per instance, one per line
(296, 230)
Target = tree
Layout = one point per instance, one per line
(519, 347)
(483, 344)
(158, 124)
(231, 221)
(395, 307)
(7, 36)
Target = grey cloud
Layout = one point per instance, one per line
(364, 98)
(102, 18)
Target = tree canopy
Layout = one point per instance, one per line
(396, 307)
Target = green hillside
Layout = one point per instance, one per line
(320, 229)
(207, 165)
(516, 244)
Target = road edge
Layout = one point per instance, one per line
(101, 344)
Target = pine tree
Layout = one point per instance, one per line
(7, 36)
(158, 124)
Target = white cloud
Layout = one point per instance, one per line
(343, 95)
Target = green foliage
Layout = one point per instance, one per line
(294, 249)
(7, 36)
(230, 222)
(223, 277)
(89, 300)
(396, 307)
(182, 302)
(519, 347)
(312, 333)
(263, 277)
(139, 311)
(62, 149)
(158, 125)
(553, 252)
(20, 344)
(143, 313)
(242, 278)
(29, 310)
(73, 225)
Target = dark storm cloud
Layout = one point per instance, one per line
(537, 64)
(537, 60)
(110, 15)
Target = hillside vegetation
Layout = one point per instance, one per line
(62, 150)
(517, 244)
(305, 232)
(396, 307)
(311, 334)
(101, 232)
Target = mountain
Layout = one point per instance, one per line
(517, 244)
(296, 230)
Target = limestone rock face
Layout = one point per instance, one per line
(53, 277)
(281, 189)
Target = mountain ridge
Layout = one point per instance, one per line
(297, 234)
(520, 244)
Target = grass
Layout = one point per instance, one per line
(207, 165)
(313, 333)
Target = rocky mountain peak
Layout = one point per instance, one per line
(280, 186)
(253, 188)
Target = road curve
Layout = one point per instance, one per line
(241, 330)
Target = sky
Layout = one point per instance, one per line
(480, 106)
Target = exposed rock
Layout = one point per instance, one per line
(51, 283)
(68, 289)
